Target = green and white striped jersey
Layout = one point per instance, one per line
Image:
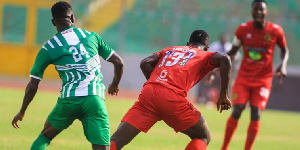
(75, 54)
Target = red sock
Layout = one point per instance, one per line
(196, 144)
(113, 145)
(252, 132)
(230, 129)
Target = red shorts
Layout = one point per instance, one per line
(159, 103)
(257, 91)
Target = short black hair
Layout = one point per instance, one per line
(258, 1)
(199, 37)
(60, 9)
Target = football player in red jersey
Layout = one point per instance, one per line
(254, 80)
(170, 74)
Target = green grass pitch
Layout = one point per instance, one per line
(279, 130)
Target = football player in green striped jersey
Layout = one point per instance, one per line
(75, 53)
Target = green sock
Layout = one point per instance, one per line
(40, 143)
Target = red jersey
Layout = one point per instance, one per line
(258, 48)
(181, 67)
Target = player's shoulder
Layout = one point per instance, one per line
(84, 33)
(174, 48)
(274, 26)
(52, 43)
(246, 24)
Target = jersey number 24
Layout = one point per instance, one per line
(78, 55)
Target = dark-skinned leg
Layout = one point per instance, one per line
(200, 135)
(47, 134)
(253, 127)
(237, 111)
(232, 124)
(124, 134)
(100, 147)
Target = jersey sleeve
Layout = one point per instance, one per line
(42, 60)
(159, 54)
(210, 60)
(281, 42)
(239, 32)
(104, 50)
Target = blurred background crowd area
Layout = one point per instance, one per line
(136, 28)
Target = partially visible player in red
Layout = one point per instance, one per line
(171, 73)
(254, 80)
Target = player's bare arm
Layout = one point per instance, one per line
(224, 63)
(117, 61)
(30, 92)
(148, 64)
(281, 69)
(236, 44)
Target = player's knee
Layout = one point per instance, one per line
(204, 136)
(208, 138)
(237, 111)
(119, 143)
(255, 113)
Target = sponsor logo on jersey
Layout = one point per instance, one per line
(67, 31)
(162, 76)
(267, 37)
(255, 55)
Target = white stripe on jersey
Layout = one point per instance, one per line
(44, 48)
(111, 53)
(84, 36)
(35, 77)
(64, 87)
(71, 37)
(57, 41)
(91, 65)
(102, 94)
(95, 84)
(70, 86)
(83, 87)
(51, 45)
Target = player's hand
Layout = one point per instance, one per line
(18, 117)
(113, 90)
(223, 104)
(281, 73)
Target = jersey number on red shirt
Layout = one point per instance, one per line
(176, 57)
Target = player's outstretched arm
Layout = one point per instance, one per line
(281, 71)
(233, 52)
(117, 61)
(147, 65)
(224, 63)
(30, 92)
(236, 44)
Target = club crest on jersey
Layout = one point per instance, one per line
(267, 37)
(234, 96)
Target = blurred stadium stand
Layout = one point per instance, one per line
(136, 28)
